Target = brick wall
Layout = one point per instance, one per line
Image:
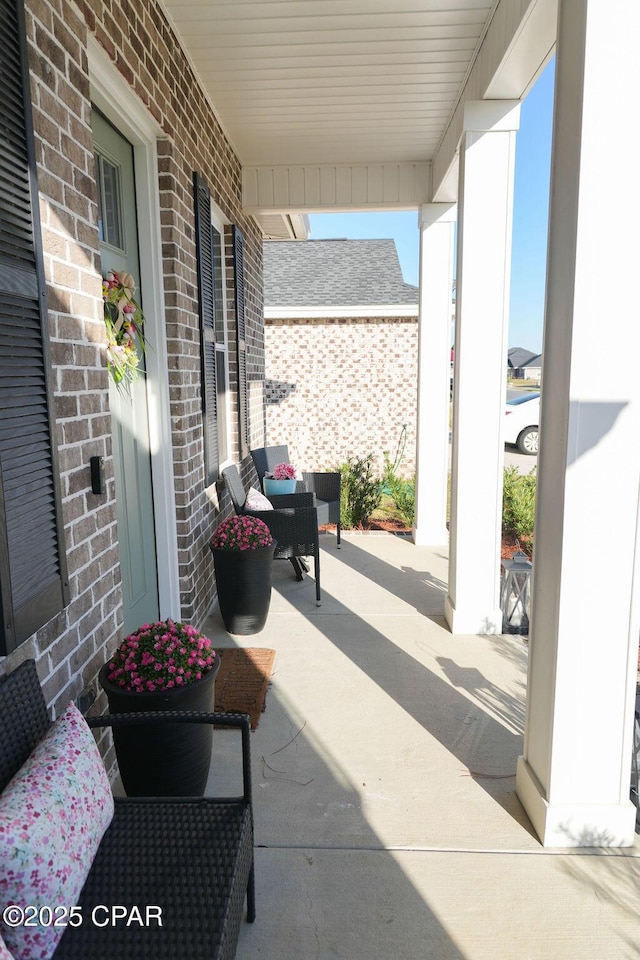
(70, 649)
(342, 387)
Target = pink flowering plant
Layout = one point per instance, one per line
(242, 533)
(284, 471)
(124, 321)
(159, 656)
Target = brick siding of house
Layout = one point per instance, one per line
(70, 649)
(339, 387)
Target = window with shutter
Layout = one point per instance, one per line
(33, 577)
(210, 233)
(241, 342)
(206, 295)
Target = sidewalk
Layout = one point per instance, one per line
(387, 823)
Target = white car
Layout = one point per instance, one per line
(522, 416)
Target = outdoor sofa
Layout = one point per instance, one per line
(188, 859)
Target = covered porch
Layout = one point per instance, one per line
(387, 820)
(405, 107)
(408, 790)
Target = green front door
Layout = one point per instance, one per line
(129, 412)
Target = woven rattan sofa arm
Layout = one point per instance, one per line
(291, 526)
(301, 500)
(238, 720)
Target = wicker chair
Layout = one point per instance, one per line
(293, 524)
(192, 856)
(325, 487)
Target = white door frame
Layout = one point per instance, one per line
(112, 95)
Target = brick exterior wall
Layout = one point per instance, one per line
(340, 387)
(70, 649)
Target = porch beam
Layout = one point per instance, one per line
(518, 43)
(574, 776)
(323, 187)
(487, 155)
(437, 223)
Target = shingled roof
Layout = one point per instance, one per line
(334, 273)
(519, 357)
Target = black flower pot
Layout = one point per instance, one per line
(243, 581)
(169, 759)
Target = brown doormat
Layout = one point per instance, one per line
(243, 677)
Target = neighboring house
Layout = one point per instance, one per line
(341, 345)
(99, 164)
(524, 364)
(532, 370)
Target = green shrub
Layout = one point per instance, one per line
(360, 491)
(519, 506)
(401, 491)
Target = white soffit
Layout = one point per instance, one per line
(331, 81)
(285, 226)
(370, 90)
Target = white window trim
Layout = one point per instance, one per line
(225, 457)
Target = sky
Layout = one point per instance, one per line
(530, 217)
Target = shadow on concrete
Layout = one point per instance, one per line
(509, 708)
(421, 589)
(613, 877)
(338, 900)
(482, 729)
(343, 894)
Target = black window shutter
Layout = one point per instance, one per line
(34, 584)
(241, 343)
(204, 253)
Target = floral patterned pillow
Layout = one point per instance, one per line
(53, 815)
(4, 953)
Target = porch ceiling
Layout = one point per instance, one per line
(355, 104)
(333, 81)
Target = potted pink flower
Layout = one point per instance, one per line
(243, 549)
(242, 533)
(281, 480)
(161, 656)
(166, 665)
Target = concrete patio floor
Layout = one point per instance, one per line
(386, 819)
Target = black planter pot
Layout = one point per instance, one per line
(243, 581)
(167, 760)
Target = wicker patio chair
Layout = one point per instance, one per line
(325, 487)
(293, 524)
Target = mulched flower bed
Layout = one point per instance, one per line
(511, 544)
(390, 526)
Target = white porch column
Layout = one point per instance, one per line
(485, 200)
(573, 779)
(437, 222)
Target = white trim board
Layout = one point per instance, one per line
(113, 97)
(329, 312)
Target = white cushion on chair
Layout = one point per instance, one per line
(257, 501)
